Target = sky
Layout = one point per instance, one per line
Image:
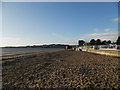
(37, 23)
(60, 0)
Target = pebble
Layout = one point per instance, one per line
(70, 69)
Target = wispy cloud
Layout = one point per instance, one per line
(116, 19)
(102, 36)
(108, 34)
(107, 30)
(96, 30)
(15, 41)
(66, 39)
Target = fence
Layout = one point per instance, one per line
(111, 46)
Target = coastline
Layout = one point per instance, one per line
(6, 55)
(61, 69)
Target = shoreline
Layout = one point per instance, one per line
(24, 53)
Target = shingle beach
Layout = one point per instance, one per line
(61, 69)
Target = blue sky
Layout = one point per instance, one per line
(35, 23)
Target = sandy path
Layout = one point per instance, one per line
(61, 69)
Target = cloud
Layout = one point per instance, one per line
(107, 30)
(15, 41)
(116, 19)
(102, 36)
(96, 29)
(66, 39)
(108, 34)
(19, 41)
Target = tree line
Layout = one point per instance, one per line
(98, 42)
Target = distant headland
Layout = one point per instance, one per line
(39, 46)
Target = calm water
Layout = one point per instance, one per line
(8, 50)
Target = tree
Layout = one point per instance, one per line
(118, 41)
(104, 42)
(98, 42)
(108, 42)
(81, 42)
(92, 41)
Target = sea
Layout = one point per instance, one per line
(10, 50)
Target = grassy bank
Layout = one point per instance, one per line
(109, 52)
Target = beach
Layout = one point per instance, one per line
(60, 69)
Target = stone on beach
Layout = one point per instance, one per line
(61, 69)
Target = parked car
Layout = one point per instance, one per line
(96, 47)
(118, 46)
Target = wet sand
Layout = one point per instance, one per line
(60, 69)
